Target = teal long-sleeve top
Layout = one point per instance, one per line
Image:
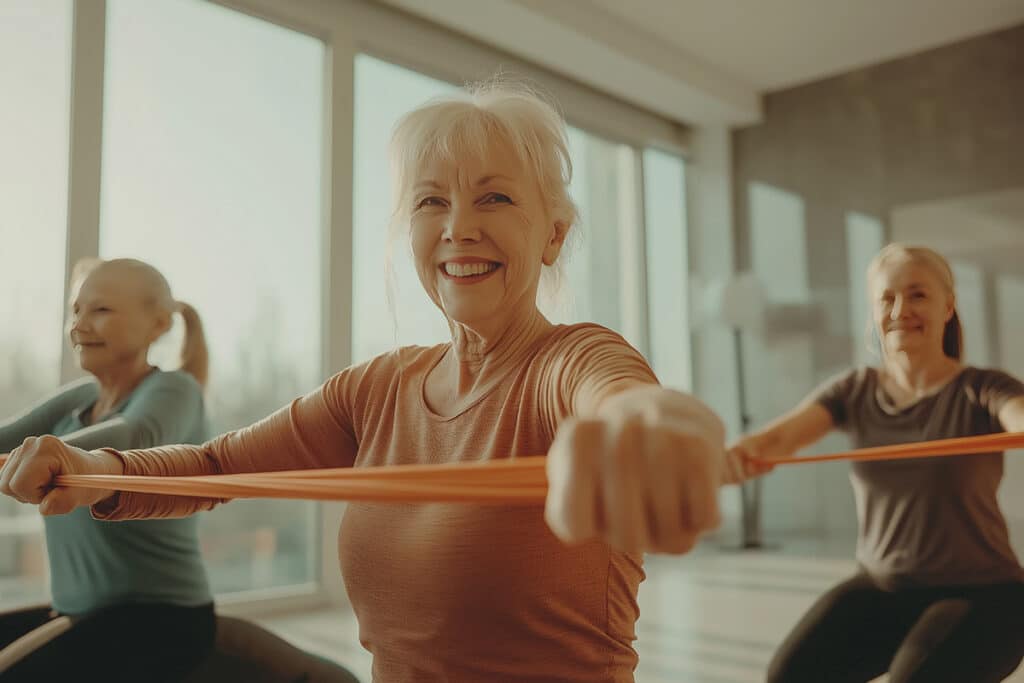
(96, 564)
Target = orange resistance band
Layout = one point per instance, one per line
(967, 445)
(516, 481)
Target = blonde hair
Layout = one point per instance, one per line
(467, 124)
(953, 334)
(156, 293)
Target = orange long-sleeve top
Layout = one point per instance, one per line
(449, 592)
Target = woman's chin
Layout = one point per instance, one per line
(905, 346)
(89, 364)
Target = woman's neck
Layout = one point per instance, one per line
(116, 384)
(479, 356)
(918, 374)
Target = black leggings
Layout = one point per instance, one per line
(132, 642)
(858, 631)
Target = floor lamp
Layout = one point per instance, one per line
(751, 536)
(738, 304)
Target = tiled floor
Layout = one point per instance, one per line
(714, 616)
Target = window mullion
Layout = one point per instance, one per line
(85, 144)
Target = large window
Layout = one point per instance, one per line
(668, 290)
(212, 172)
(33, 208)
(602, 285)
(33, 212)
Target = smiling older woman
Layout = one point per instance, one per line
(459, 592)
(940, 594)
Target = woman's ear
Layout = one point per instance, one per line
(560, 230)
(162, 325)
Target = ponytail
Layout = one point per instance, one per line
(195, 357)
(953, 337)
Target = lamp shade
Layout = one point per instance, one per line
(737, 301)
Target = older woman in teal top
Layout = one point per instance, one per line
(143, 580)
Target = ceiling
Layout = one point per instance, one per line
(773, 44)
(708, 62)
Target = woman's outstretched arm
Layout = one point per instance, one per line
(311, 432)
(782, 438)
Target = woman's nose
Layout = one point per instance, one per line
(462, 226)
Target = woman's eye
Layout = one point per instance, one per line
(430, 201)
(497, 198)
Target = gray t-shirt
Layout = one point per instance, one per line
(96, 564)
(927, 521)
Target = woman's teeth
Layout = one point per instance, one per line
(468, 269)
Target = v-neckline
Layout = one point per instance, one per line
(889, 406)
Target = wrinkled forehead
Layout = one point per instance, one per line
(457, 159)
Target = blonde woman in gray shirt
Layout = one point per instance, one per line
(940, 593)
